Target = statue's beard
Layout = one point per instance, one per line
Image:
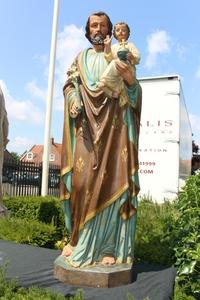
(97, 39)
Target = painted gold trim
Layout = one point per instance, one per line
(69, 145)
(105, 205)
(126, 216)
(65, 170)
(66, 197)
(68, 138)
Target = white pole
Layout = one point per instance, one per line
(45, 170)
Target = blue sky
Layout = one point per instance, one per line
(166, 33)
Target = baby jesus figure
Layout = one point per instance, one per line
(111, 82)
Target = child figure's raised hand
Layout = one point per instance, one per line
(107, 44)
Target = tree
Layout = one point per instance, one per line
(195, 148)
(195, 157)
(15, 156)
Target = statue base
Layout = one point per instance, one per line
(98, 276)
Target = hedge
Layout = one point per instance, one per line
(43, 209)
(28, 232)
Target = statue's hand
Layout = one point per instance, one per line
(107, 44)
(126, 71)
(107, 40)
(74, 109)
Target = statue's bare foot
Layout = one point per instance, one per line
(67, 250)
(108, 261)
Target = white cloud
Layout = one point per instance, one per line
(24, 111)
(21, 111)
(35, 90)
(20, 143)
(157, 43)
(70, 42)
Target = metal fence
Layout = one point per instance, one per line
(25, 179)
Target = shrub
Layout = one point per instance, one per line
(9, 290)
(154, 240)
(28, 232)
(43, 209)
(187, 236)
(179, 293)
(6, 288)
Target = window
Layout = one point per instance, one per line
(29, 156)
(52, 157)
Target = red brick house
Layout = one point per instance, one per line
(8, 156)
(35, 154)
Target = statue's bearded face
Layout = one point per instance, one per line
(98, 28)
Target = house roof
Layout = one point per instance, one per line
(37, 151)
(8, 155)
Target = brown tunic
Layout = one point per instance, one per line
(104, 158)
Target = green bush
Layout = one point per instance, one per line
(10, 291)
(28, 232)
(179, 293)
(187, 236)
(166, 234)
(43, 209)
(169, 233)
(154, 240)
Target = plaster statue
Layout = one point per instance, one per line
(3, 143)
(100, 156)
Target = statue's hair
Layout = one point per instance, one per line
(121, 23)
(99, 13)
